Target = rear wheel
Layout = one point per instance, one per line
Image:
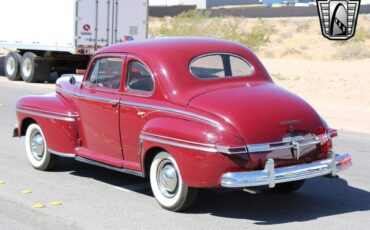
(288, 187)
(11, 66)
(167, 185)
(37, 149)
(28, 67)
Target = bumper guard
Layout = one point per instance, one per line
(271, 175)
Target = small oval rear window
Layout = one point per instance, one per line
(213, 66)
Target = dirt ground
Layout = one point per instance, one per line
(302, 61)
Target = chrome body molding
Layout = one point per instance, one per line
(212, 148)
(72, 155)
(47, 114)
(100, 164)
(288, 143)
(147, 106)
(178, 142)
(271, 175)
(94, 98)
(171, 110)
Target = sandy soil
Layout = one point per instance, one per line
(338, 90)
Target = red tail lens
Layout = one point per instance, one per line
(321, 130)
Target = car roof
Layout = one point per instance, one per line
(169, 59)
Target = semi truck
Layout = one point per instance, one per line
(47, 38)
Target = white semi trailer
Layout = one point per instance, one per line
(50, 37)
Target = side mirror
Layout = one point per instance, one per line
(72, 80)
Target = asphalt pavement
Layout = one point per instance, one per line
(97, 198)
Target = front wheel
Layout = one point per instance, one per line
(167, 185)
(37, 149)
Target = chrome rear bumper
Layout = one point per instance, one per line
(271, 176)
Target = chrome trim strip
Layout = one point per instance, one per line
(69, 155)
(66, 118)
(147, 106)
(46, 111)
(94, 98)
(162, 108)
(176, 139)
(179, 143)
(96, 163)
(286, 144)
(271, 175)
(198, 146)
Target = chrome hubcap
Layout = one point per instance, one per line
(26, 67)
(10, 65)
(37, 145)
(167, 178)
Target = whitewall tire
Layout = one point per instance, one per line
(37, 149)
(167, 185)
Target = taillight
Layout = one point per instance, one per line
(325, 136)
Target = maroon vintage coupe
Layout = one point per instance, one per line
(188, 113)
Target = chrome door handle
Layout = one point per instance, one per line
(115, 103)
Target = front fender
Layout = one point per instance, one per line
(56, 118)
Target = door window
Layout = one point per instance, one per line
(106, 73)
(139, 77)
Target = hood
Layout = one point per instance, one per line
(261, 112)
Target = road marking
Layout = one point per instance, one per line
(56, 203)
(133, 187)
(39, 205)
(26, 191)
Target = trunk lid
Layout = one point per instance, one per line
(264, 113)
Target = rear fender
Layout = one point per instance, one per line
(199, 162)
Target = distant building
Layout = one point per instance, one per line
(202, 4)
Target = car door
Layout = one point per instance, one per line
(138, 90)
(98, 104)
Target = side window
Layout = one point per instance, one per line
(106, 73)
(139, 77)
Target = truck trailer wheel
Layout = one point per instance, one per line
(11, 66)
(28, 67)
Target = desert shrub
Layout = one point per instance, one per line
(352, 51)
(199, 23)
(291, 51)
(302, 26)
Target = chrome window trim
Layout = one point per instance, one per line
(69, 155)
(220, 53)
(162, 108)
(143, 92)
(65, 118)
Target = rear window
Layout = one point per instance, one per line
(213, 66)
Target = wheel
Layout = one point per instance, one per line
(167, 185)
(37, 149)
(288, 187)
(28, 67)
(11, 66)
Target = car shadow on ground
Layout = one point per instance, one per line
(319, 197)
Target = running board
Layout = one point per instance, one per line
(91, 162)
